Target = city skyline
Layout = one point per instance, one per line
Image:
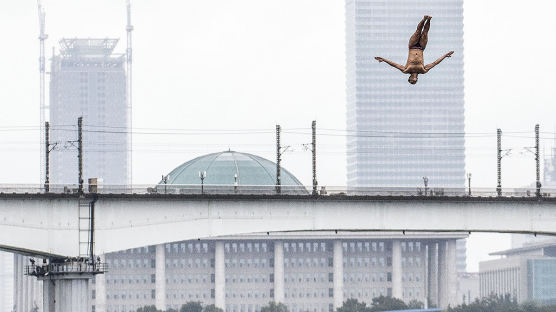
(215, 83)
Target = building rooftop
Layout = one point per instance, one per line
(87, 47)
(547, 248)
(230, 168)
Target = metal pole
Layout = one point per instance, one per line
(537, 160)
(80, 152)
(314, 150)
(47, 157)
(278, 159)
(469, 182)
(129, 58)
(92, 231)
(499, 161)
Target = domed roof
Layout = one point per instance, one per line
(223, 168)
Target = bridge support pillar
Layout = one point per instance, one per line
(66, 292)
(219, 276)
(160, 285)
(397, 270)
(279, 271)
(338, 274)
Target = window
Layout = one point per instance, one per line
(330, 292)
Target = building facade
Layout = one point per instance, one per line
(88, 80)
(6, 281)
(526, 273)
(400, 133)
(307, 272)
(27, 290)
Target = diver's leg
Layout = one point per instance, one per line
(425, 35)
(414, 40)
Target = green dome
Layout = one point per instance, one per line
(223, 168)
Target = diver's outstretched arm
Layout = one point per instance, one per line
(433, 64)
(398, 66)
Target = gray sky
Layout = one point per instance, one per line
(250, 64)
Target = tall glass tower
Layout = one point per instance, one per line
(398, 132)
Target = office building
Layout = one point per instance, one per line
(87, 79)
(6, 281)
(526, 274)
(398, 132)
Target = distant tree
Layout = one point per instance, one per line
(192, 306)
(274, 307)
(415, 304)
(150, 308)
(353, 305)
(383, 303)
(212, 308)
(171, 310)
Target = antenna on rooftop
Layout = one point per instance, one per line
(42, 37)
(129, 30)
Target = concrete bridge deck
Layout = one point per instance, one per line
(49, 223)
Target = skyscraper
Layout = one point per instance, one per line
(89, 80)
(398, 132)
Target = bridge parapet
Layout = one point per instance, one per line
(324, 190)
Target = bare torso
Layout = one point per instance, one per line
(415, 62)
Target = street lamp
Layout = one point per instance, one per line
(202, 176)
(469, 182)
(426, 181)
(236, 184)
(165, 181)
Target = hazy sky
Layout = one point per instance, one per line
(250, 64)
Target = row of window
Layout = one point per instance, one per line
(307, 247)
(243, 247)
(187, 247)
(248, 263)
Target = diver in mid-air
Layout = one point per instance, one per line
(415, 62)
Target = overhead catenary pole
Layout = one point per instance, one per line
(47, 157)
(80, 153)
(537, 161)
(278, 159)
(499, 161)
(314, 152)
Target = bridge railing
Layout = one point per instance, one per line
(323, 190)
(78, 267)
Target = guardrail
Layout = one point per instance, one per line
(212, 189)
(76, 267)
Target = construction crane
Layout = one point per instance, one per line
(42, 37)
(129, 29)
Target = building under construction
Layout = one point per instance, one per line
(89, 80)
